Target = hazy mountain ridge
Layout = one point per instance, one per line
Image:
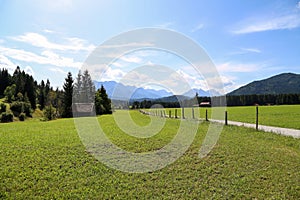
(125, 90)
(285, 83)
(145, 94)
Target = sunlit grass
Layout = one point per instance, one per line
(47, 160)
(286, 116)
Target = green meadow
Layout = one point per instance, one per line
(286, 116)
(47, 160)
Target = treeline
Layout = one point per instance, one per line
(267, 99)
(23, 96)
(241, 100)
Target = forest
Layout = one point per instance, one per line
(23, 96)
(236, 100)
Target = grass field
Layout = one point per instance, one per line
(286, 116)
(46, 160)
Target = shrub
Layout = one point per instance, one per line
(49, 113)
(2, 108)
(19, 107)
(7, 117)
(22, 117)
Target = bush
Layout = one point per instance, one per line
(19, 107)
(49, 113)
(22, 117)
(2, 108)
(7, 117)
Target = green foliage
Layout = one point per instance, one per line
(6, 117)
(42, 95)
(49, 113)
(68, 95)
(25, 85)
(102, 102)
(2, 108)
(4, 80)
(49, 160)
(19, 107)
(22, 116)
(84, 88)
(10, 93)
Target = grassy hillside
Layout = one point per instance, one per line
(47, 160)
(287, 83)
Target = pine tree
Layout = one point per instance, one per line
(77, 88)
(4, 80)
(30, 90)
(67, 99)
(102, 102)
(84, 89)
(47, 90)
(42, 95)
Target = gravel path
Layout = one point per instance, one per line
(282, 131)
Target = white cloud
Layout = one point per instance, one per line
(58, 70)
(298, 5)
(6, 63)
(165, 25)
(219, 83)
(197, 28)
(251, 50)
(194, 81)
(48, 31)
(112, 74)
(29, 70)
(242, 51)
(38, 40)
(290, 21)
(237, 67)
(46, 57)
(131, 59)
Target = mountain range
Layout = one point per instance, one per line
(142, 93)
(285, 83)
(125, 90)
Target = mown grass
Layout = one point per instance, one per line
(286, 116)
(46, 160)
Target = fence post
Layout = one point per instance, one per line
(206, 118)
(182, 113)
(175, 113)
(193, 114)
(226, 122)
(170, 114)
(256, 117)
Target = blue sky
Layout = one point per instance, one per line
(246, 40)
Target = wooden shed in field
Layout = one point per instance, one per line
(83, 109)
(205, 104)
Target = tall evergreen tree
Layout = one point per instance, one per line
(4, 80)
(30, 90)
(47, 90)
(84, 88)
(68, 94)
(102, 102)
(42, 95)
